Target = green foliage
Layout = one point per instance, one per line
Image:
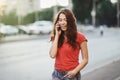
(9, 19)
(30, 18)
(45, 14)
(82, 9)
(106, 13)
(12, 18)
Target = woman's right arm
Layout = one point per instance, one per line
(54, 47)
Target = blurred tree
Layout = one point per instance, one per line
(9, 19)
(106, 13)
(82, 9)
(30, 18)
(46, 14)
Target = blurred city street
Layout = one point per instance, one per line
(26, 25)
(27, 57)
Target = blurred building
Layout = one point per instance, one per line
(21, 7)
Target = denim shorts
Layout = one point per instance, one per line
(59, 75)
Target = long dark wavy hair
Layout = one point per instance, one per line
(71, 32)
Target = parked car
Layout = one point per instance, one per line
(23, 29)
(40, 27)
(8, 30)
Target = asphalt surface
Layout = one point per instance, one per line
(109, 71)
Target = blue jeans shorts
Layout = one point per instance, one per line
(59, 75)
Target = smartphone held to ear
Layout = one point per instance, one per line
(59, 28)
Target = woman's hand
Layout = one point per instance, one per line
(54, 47)
(71, 74)
(58, 32)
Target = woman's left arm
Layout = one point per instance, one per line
(84, 52)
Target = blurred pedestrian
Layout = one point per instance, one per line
(101, 30)
(66, 46)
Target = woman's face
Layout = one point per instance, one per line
(63, 22)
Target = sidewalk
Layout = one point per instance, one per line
(110, 71)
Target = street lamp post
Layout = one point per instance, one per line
(118, 14)
(93, 14)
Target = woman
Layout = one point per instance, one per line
(66, 46)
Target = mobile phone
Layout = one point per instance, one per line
(59, 28)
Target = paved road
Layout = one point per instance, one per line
(29, 60)
(110, 71)
(105, 64)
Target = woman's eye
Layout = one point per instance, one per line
(62, 19)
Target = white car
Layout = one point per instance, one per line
(23, 29)
(9, 30)
(40, 27)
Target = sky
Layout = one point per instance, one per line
(49, 3)
(2, 2)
